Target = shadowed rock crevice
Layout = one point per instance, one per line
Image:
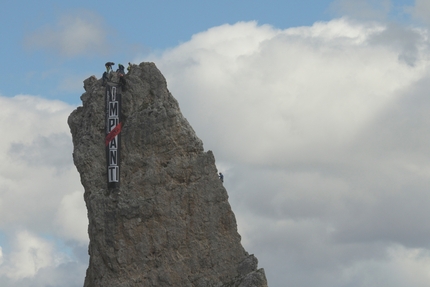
(169, 223)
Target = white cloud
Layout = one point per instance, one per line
(294, 88)
(77, 34)
(37, 261)
(402, 267)
(30, 254)
(71, 216)
(37, 147)
(321, 133)
(38, 179)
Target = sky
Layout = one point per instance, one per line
(316, 111)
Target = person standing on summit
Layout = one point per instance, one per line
(108, 66)
(221, 177)
(121, 74)
(120, 70)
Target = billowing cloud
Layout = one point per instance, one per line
(321, 133)
(77, 34)
(37, 147)
(36, 261)
(42, 212)
(31, 254)
(294, 88)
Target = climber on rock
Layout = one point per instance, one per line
(120, 70)
(221, 177)
(121, 74)
(108, 66)
(104, 78)
(129, 67)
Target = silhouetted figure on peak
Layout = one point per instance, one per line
(120, 70)
(108, 66)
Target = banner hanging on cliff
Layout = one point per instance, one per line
(113, 134)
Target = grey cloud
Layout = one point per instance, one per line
(69, 274)
(37, 178)
(420, 10)
(45, 151)
(401, 128)
(406, 41)
(394, 173)
(321, 135)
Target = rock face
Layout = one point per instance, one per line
(169, 223)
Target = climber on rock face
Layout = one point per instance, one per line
(105, 78)
(129, 67)
(221, 177)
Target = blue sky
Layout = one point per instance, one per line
(316, 111)
(131, 27)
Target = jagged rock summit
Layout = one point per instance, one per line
(168, 223)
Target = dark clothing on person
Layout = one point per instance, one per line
(108, 66)
(120, 70)
(105, 78)
(221, 176)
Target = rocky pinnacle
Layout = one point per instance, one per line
(169, 223)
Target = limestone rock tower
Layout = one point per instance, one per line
(158, 213)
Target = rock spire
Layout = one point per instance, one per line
(168, 221)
